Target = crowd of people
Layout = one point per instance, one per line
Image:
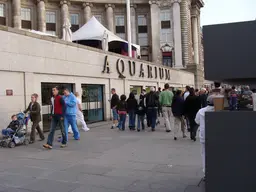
(66, 110)
(178, 109)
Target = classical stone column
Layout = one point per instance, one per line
(87, 11)
(195, 36)
(110, 17)
(177, 33)
(133, 24)
(64, 11)
(16, 6)
(186, 34)
(41, 15)
(155, 30)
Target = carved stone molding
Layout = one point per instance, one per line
(109, 5)
(156, 2)
(38, 1)
(133, 6)
(64, 2)
(87, 4)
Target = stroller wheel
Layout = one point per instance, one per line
(4, 144)
(26, 142)
(11, 144)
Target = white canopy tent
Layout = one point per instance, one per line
(94, 30)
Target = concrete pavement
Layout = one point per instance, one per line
(105, 160)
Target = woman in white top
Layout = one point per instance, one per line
(79, 114)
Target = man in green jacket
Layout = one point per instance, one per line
(165, 100)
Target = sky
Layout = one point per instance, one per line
(226, 11)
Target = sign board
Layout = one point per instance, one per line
(9, 92)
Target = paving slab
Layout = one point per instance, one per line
(105, 160)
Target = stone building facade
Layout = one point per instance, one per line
(168, 31)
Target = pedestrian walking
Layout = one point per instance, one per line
(191, 107)
(232, 98)
(165, 100)
(122, 112)
(203, 97)
(141, 111)
(132, 106)
(58, 109)
(200, 120)
(34, 110)
(79, 113)
(113, 103)
(185, 95)
(178, 111)
(152, 102)
(70, 114)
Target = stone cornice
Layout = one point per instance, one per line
(198, 3)
(87, 4)
(109, 5)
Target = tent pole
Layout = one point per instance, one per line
(128, 11)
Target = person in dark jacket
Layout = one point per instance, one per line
(203, 97)
(178, 111)
(12, 127)
(132, 106)
(152, 103)
(113, 103)
(141, 111)
(191, 107)
(58, 108)
(34, 109)
(122, 111)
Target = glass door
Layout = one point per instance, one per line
(92, 101)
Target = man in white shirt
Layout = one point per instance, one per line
(79, 115)
(186, 93)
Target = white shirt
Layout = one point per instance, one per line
(186, 94)
(200, 120)
(79, 102)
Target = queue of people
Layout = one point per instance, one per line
(179, 110)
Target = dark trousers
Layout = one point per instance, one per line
(35, 126)
(140, 122)
(57, 121)
(151, 117)
(132, 118)
(193, 127)
(122, 119)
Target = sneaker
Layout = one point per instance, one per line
(63, 145)
(184, 136)
(168, 131)
(175, 138)
(46, 146)
(112, 127)
(138, 130)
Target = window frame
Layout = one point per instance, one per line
(140, 27)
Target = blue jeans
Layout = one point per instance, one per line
(140, 121)
(7, 131)
(122, 121)
(71, 120)
(115, 114)
(132, 117)
(151, 117)
(57, 121)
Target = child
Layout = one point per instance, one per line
(200, 120)
(122, 112)
(12, 127)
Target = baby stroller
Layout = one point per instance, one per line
(11, 139)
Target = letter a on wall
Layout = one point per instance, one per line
(106, 68)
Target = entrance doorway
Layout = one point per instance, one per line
(92, 101)
(136, 89)
(46, 92)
